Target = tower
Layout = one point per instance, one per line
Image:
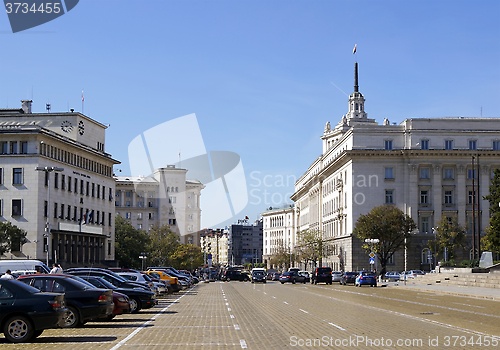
(356, 100)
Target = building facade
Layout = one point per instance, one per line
(422, 165)
(72, 193)
(279, 231)
(215, 242)
(245, 243)
(166, 198)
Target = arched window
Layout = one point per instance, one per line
(426, 256)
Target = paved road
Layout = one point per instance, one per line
(238, 315)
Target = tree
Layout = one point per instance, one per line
(187, 257)
(282, 256)
(163, 244)
(450, 235)
(311, 246)
(491, 240)
(12, 237)
(390, 226)
(494, 196)
(130, 243)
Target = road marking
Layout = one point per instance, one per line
(482, 307)
(286, 302)
(232, 316)
(227, 303)
(228, 309)
(332, 324)
(236, 327)
(131, 335)
(274, 297)
(304, 311)
(243, 343)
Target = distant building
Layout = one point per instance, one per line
(245, 243)
(166, 198)
(279, 231)
(215, 242)
(423, 166)
(77, 201)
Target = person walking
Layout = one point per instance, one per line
(8, 275)
(56, 270)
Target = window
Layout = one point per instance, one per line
(68, 215)
(448, 197)
(128, 215)
(16, 207)
(471, 173)
(88, 189)
(103, 192)
(424, 197)
(81, 187)
(388, 145)
(139, 226)
(55, 210)
(63, 182)
(127, 194)
(61, 216)
(190, 217)
(140, 204)
(151, 204)
(448, 144)
(127, 203)
(1, 176)
(389, 197)
(45, 208)
(496, 145)
(151, 216)
(425, 224)
(24, 147)
(424, 144)
(17, 176)
(93, 189)
(98, 191)
(171, 199)
(109, 219)
(56, 180)
(448, 174)
(13, 147)
(389, 173)
(190, 195)
(139, 216)
(5, 147)
(470, 197)
(424, 173)
(472, 145)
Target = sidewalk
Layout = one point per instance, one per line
(472, 292)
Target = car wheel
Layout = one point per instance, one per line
(18, 329)
(252, 281)
(293, 281)
(228, 279)
(135, 305)
(110, 317)
(315, 282)
(72, 318)
(282, 282)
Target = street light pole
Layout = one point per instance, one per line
(47, 170)
(434, 229)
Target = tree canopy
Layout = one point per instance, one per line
(310, 246)
(450, 235)
(129, 243)
(390, 226)
(163, 244)
(11, 237)
(491, 239)
(187, 257)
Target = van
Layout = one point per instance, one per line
(22, 265)
(259, 269)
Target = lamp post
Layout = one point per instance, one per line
(47, 170)
(143, 257)
(434, 230)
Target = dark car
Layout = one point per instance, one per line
(139, 299)
(292, 276)
(83, 303)
(25, 311)
(109, 276)
(322, 275)
(235, 275)
(258, 276)
(348, 277)
(275, 276)
(392, 275)
(366, 277)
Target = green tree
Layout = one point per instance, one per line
(187, 257)
(282, 256)
(129, 243)
(12, 237)
(494, 196)
(311, 246)
(390, 226)
(450, 235)
(163, 244)
(491, 240)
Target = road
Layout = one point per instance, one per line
(236, 315)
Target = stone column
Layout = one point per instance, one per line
(413, 195)
(461, 194)
(437, 193)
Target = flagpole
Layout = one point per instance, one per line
(83, 100)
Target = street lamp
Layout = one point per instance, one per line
(143, 256)
(434, 230)
(47, 170)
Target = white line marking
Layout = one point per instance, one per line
(304, 311)
(274, 297)
(232, 316)
(285, 302)
(227, 303)
(332, 324)
(228, 309)
(243, 343)
(236, 327)
(131, 335)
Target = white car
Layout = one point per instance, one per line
(336, 276)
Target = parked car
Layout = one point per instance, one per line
(322, 275)
(139, 299)
(292, 276)
(23, 265)
(163, 275)
(336, 276)
(172, 272)
(139, 277)
(26, 312)
(415, 273)
(306, 276)
(275, 276)
(392, 275)
(258, 276)
(235, 275)
(366, 277)
(83, 303)
(109, 276)
(348, 277)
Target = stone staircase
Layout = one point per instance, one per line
(485, 280)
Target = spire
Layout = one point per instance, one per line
(356, 88)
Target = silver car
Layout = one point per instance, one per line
(336, 276)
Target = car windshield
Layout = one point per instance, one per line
(323, 270)
(366, 273)
(258, 273)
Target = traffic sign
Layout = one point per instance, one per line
(371, 255)
(372, 261)
(209, 256)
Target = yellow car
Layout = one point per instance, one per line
(173, 281)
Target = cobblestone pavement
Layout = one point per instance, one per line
(241, 315)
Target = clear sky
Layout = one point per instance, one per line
(262, 77)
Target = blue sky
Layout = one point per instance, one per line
(259, 75)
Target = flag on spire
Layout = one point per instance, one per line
(82, 97)
(354, 50)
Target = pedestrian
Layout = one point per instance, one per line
(55, 270)
(8, 275)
